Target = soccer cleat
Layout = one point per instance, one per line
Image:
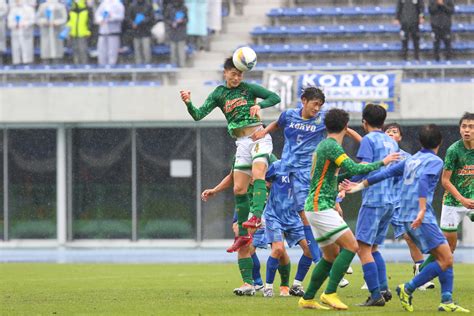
(387, 295)
(311, 304)
(452, 307)
(297, 290)
(426, 286)
(344, 282)
(253, 222)
(349, 270)
(371, 302)
(268, 292)
(333, 301)
(239, 242)
(405, 298)
(258, 287)
(245, 289)
(364, 286)
(284, 291)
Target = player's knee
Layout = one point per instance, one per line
(277, 252)
(239, 189)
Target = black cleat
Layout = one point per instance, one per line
(297, 290)
(371, 302)
(387, 295)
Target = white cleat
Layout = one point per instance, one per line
(267, 292)
(259, 288)
(344, 282)
(349, 270)
(364, 286)
(245, 289)
(427, 285)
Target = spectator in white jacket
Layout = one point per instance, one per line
(109, 16)
(51, 18)
(21, 20)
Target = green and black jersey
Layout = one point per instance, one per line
(328, 158)
(235, 103)
(460, 161)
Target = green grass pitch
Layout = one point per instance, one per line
(184, 289)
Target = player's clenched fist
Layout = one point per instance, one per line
(185, 96)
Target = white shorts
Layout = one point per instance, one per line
(327, 226)
(249, 152)
(451, 217)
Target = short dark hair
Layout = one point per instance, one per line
(313, 93)
(229, 64)
(336, 120)
(374, 115)
(430, 136)
(388, 126)
(466, 116)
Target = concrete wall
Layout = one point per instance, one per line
(441, 101)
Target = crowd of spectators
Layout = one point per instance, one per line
(88, 28)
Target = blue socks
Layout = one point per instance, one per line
(431, 271)
(257, 278)
(272, 266)
(382, 271)
(303, 266)
(446, 279)
(371, 276)
(312, 244)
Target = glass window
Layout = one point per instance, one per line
(32, 183)
(101, 183)
(166, 204)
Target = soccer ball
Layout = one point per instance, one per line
(244, 58)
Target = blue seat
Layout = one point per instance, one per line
(313, 30)
(349, 11)
(343, 47)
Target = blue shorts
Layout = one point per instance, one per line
(275, 232)
(301, 182)
(398, 227)
(259, 240)
(372, 224)
(426, 237)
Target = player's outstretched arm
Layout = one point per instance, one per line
(273, 126)
(354, 168)
(198, 113)
(354, 135)
(449, 186)
(224, 184)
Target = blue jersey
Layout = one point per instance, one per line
(301, 137)
(280, 205)
(420, 173)
(398, 181)
(375, 146)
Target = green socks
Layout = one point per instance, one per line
(246, 268)
(242, 206)
(428, 260)
(319, 275)
(339, 268)
(285, 274)
(259, 197)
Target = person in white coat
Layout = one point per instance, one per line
(3, 28)
(109, 16)
(51, 18)
(20, 21)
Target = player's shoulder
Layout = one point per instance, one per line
(457, 145)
